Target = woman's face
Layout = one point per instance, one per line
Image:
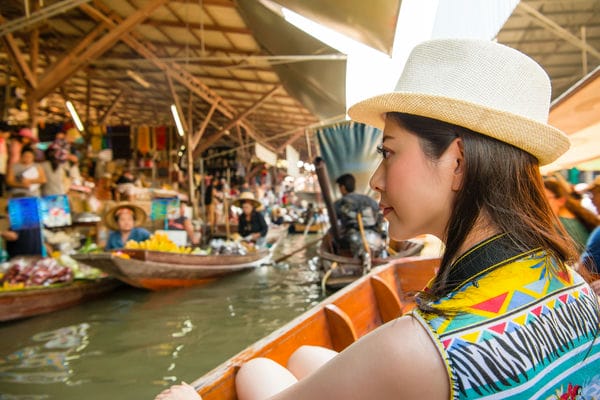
(125, 220)
(247, 208)
(27, 158)
(417, 193)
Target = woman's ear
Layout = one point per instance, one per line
(458, 157)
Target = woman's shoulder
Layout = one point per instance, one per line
(406, 360)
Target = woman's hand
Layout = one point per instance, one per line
(179, 392)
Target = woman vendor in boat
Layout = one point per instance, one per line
(251, 225)
(505, 316)
(124, 221)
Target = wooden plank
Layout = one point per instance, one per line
(56, 76)
(340, 326)
(390, 306)
(209, 142)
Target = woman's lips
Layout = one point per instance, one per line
(385, 210)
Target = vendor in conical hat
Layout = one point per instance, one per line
(124, 221)
(252, 225)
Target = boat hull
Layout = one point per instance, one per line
(17, 304)
(374, 299)
(156, 270)
(341, 270)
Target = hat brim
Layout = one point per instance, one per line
(543, 141)
(138, 213)
(255, 203)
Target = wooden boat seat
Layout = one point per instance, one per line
(413, 277)
(390, 306)
(341, 327)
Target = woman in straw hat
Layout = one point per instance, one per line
(124, 220)
(464, 135)
(252, 225)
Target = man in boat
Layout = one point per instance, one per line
(183, 223)
(124, 221)
(355, 213)
(252, 225)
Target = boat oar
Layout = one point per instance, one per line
(283, 257)
(365, 243)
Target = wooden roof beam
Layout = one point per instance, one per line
(291, 140)
(198, 135)
(24, 73)
(195, 25)
(72, 62)
(112, 107)
(210, 141)
(556, 29)
(175, 70)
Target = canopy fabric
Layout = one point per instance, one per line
(350, 147)
(320, 85)
(370, 22)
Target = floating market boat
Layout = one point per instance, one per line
(298, 227)
(374, 299)
(31, 301)
(341, 269)
(156, 270)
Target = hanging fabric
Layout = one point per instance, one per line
(350, 147)
(161, 137)
(143, 139)
(96, 138)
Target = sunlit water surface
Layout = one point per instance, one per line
(131, 343)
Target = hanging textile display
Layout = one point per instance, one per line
(161, 137)
(143, 140)
(120, 141)
(96, 138)
(348, 148)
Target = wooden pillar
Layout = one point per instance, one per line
(190, 159)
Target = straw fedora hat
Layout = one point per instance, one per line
(244, 197)
(481, 85)
(110, 220)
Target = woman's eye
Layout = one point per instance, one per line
(383, 151)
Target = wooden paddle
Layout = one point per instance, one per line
(283, 257)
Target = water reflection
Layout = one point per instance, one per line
(133, 343)
(48, 361)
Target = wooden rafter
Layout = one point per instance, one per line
(195, 25)
(56, 76)
(112, 107)
(556, 29)
(198, 135)
(291, 139)
(210, 141)
(173, 69)
(23, 71)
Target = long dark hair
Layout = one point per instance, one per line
(501, 181)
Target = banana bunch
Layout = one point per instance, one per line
(158, 242)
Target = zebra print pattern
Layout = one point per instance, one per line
(520, 332)
(514, 358)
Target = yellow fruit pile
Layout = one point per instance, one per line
(158, 242)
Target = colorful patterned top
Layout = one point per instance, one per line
(517, 330)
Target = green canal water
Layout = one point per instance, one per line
(131, 344)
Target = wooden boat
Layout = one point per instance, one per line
(341, 269)
(22, 303)
(298, 227)
(156, 270)
(382, 295)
